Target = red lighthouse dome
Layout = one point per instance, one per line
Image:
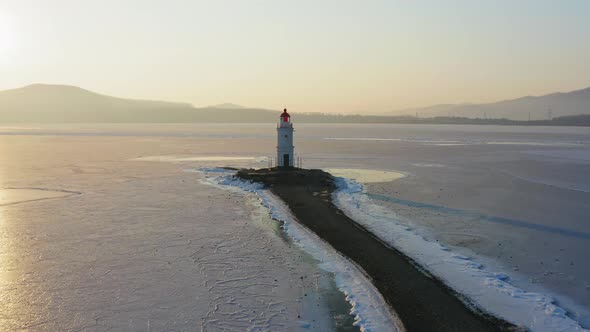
(285, 116)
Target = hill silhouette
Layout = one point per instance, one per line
(539, 107)
(64, 103)
(44, 103)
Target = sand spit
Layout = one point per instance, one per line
(423, 302)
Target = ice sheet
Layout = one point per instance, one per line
(573, 154)
(144, 247)
(428, 165)
(488, 290)
(444, 142)
(197, 158)
(10, 196)
(535, 143)
(363, 175)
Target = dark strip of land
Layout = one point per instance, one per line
(422, 302)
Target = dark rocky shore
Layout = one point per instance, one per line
(422, 301)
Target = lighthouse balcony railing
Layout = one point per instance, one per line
(284, 124)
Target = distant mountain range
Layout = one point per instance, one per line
(44, 103)
(64, 103)
(228, 106)
(537, 107)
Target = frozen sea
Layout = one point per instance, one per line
(113, 226)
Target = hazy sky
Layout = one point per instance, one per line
(310, 55)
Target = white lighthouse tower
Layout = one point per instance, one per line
(285, 146)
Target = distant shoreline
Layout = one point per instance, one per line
(566, 121)
(569, 120)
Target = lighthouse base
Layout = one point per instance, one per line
(286, 160)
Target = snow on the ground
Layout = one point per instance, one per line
(488, 290)
(371, 311)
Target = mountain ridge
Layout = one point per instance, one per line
(45, 103)
(228, 106)
(64, 88)
(68, 103)
(540, 107)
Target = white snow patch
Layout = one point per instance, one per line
(211, 170)
(488, 290)
(370, 310)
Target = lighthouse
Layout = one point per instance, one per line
(285, 146)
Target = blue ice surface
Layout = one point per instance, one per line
(483, 217)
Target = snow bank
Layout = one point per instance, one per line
(488, 290)
(370, 310)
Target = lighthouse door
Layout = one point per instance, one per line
(286, 162)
